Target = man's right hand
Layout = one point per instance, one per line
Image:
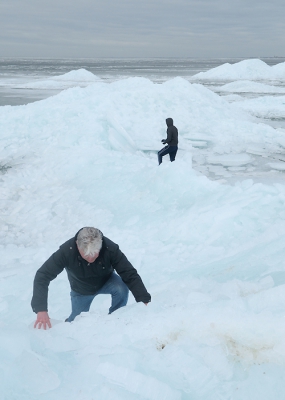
(42, 320)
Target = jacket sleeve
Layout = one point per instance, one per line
(129, 275)
(169, 135)
(48, 271)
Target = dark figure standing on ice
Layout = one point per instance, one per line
(89, 259)
(171, 141)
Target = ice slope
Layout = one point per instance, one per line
(211, 255)
(80, 77)
(254, 69)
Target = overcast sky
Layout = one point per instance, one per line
(145, 28)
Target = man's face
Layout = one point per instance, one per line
(89, 258)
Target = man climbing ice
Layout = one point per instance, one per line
(171, 141)
(90, 260)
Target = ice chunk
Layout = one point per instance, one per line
(140, 384)
(33, 375)
(230, 160)
(278, 166)
(199, 143)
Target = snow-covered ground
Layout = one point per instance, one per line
(210, 251)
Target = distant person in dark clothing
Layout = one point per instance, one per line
(90, 260)
(171, 141)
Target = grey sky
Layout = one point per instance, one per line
(146, 28)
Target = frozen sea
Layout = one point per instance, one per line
(78, 143)
(15, 72)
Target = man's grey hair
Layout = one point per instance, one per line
(89, 241)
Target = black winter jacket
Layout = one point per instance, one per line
(172, 133)
(85, 278)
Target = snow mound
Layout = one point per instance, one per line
(80, 77)
(247, 70)
(249, 87)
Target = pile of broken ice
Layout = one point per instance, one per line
(210, 253)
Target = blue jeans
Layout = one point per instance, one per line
(171, 150)
(114, 286)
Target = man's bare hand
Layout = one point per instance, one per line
(42, 320)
